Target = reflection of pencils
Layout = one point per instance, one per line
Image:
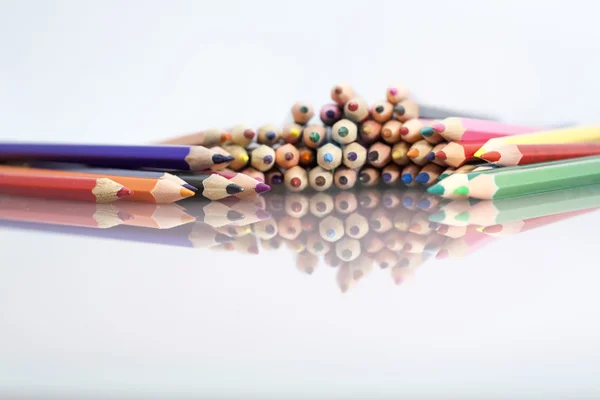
(61, 212)
(184, 158)
(155, 216)
(64, 187)
(492, 212)
(460, 247)
(457, 154)
(514, 227)
(213, 213)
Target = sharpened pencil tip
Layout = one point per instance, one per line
(220, 159)
(461, 190)
(184, 193)
(262, 214)
(233, 215)
(433, 225)
(438, 127)
(492, 229)
(427, 131)
(413, 153)
(442, 176)
(491, 156)
(261, 188)
(221, 238)
(407, 178)
(232, 188)
(479, 152)
(190, 187)
(400, 110)
(424, 204)
(423, 177)
(124, 192)
(386, 177)
(436, 189)
(430, 156)
(441, 155)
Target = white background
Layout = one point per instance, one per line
(516, 320)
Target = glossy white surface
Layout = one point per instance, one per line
(518, 319)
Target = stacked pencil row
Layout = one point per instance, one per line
(107, 173)
(351, 143)
(353, 231)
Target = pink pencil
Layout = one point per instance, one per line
(463, 130)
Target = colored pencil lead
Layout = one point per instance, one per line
(441, 155)
(430, 156)
(407, 178)
(491, 156)
(427, 131)
(436, 189)
(461, 190)
(413, 153)
(463, 216)
(262, 187)
(422, 177)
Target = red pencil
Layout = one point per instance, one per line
(458, 154)
(64, 187)
(523, 154)
(469, 130)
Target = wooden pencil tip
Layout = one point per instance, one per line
(232, 188)
(190, 187)
(461, 190)
(261, 188)
(441, 155)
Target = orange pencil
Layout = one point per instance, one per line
(63, 187)
(145, 190)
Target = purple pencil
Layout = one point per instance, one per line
(184, 158)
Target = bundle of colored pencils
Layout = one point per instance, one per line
(106, 173)
(348, 144)
(353, 231)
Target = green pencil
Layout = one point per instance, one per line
(458, 186)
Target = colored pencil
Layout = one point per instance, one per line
(397, 93)
(399, 153)
(372, 242)
(155, 216)
(113, 156)
(268, 134)
(341, 93)
(331, 229)
(410, 199)
(356, 225)
(330, 114)
(144, 190)
(251, 172)
(408, 174)
(434, 112)
(240, 157)
(262, 158)
(431, 135)
(394, 241)
(452, 231)
(379, 155)
(242, 135)
(382, 111)
(523, 154)
(369, 176)
(545, 177)
(214, 186)
(419, 224)
(392, 131)
(428, 202)
(344, 131)
(207, 138)
(307, 157)
(314, 136)
(369, 131)
(287, 156)
(274, 178)
(61, 212)
(368, 199)
(431, 157)
(266, 229)
(356, 110)
(391, 198)
(320, 179)
(113, 172)
(464, 130)
(494, 212)
(418, 152)
(345, 202)
(213, 213)
(329, 156)
(302, 112)
(292, 133)
(412, 129)
(307, 262)
(250, 185)
(569, 135)
(62, 187)
(406, 110)
(457, 154)
(253, 212)
(296, 179)
(321, 204)
(223, 152)
(428, 175)
(345, 178)
(354, 155)
(390, 174)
